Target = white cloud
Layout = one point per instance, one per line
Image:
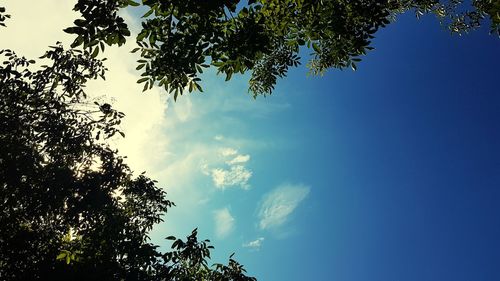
(227, 151)
(183, 108)
(255, 244)
(224, 223)
(236, 175)
(280, 203)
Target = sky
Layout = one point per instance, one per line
(391, 172)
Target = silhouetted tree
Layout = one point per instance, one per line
(71, 209)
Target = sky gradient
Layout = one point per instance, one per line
(391, 172)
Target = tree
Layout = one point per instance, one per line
(71, 208)
(180, 38)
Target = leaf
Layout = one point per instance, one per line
(73, 30)
(132, 3)
(142, 80)
(78, 41)
(148, 13)
(80, 22)
(316, 47)
(61, 256)
(95, 52)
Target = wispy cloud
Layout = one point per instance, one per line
(280, 203)
(239, 159)
(224, 223)
(255, 244)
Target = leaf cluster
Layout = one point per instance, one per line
(181, 38)
(458, 16)
(3, 16)
(56, 177)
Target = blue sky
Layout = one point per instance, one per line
(391, 172)
(397, 164)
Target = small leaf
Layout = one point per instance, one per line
(316, 47)
(132, 3)
(61, 256)
(148, 13)
(95, 52)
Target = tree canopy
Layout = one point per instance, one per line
(71, 208)
(180, 38)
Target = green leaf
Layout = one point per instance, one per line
(61, 256)
(142, 35)
(148, 13)
(78, 41)
(95, 52)
(73, 30)
(316, 47)
(132, 3)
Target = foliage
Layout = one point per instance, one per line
(71, 208)
(3, 16)
(457, 16)
(180, 38)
